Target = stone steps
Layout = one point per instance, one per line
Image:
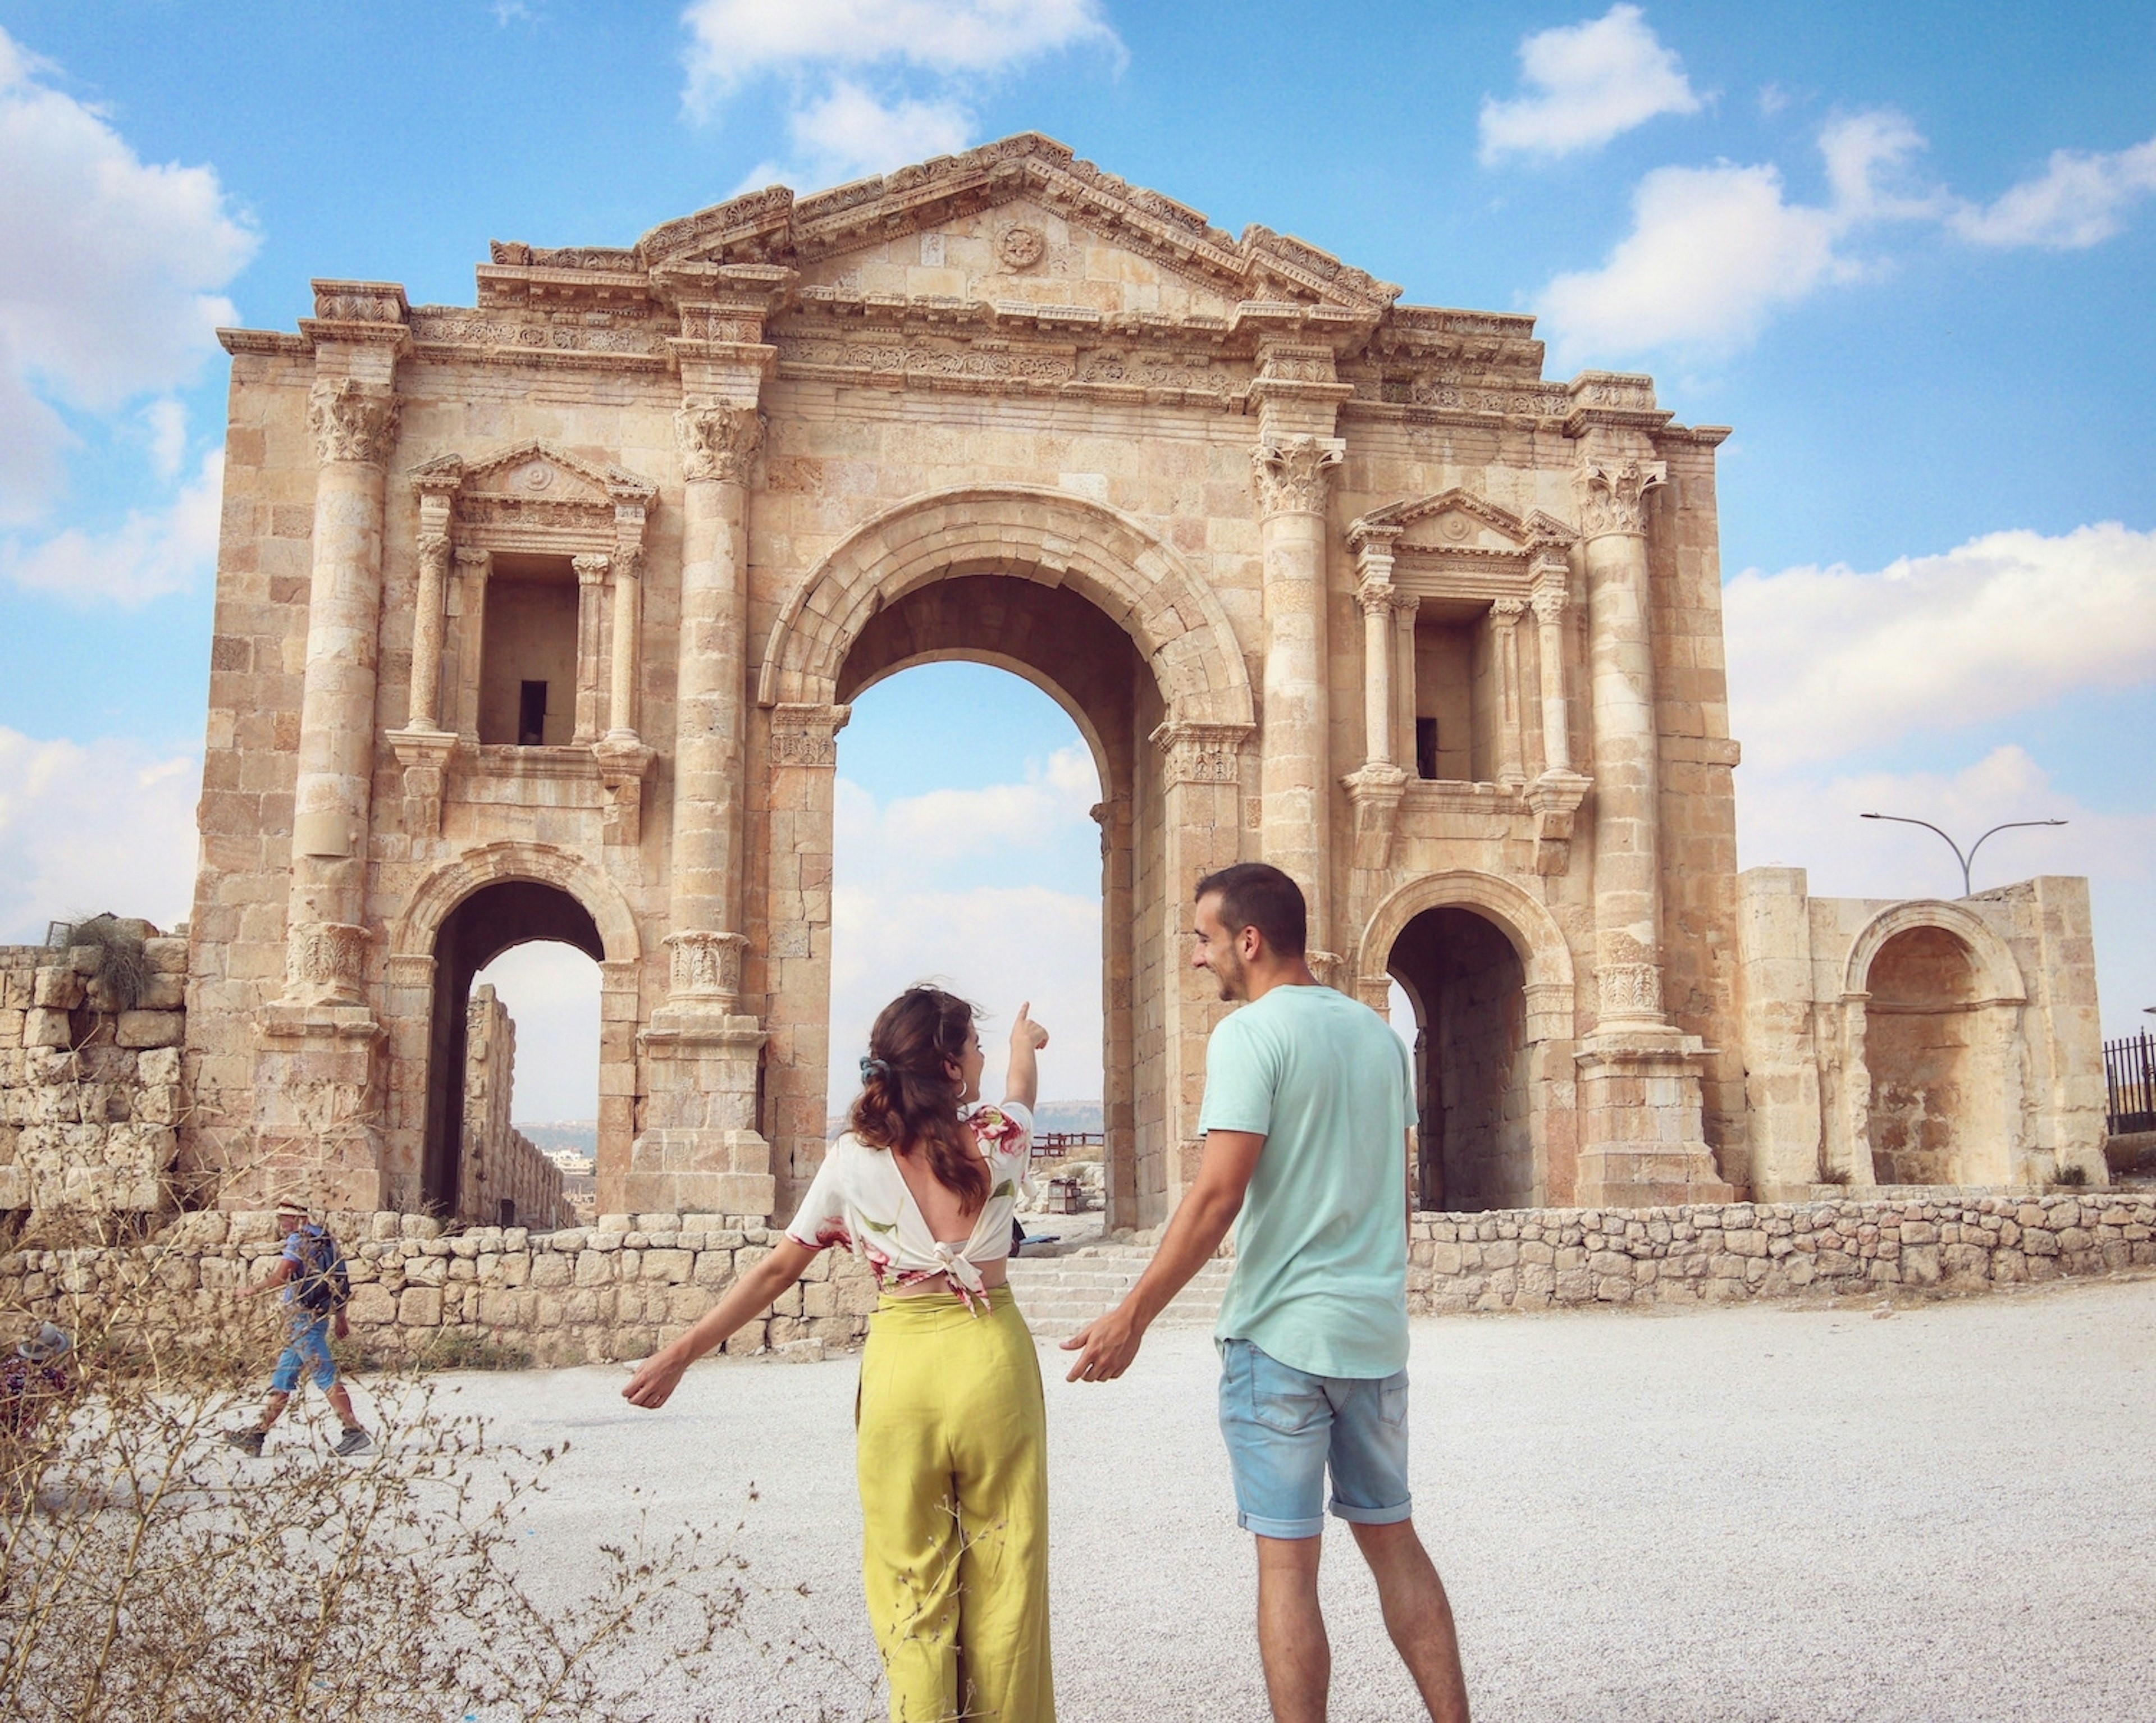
(1060, 1294)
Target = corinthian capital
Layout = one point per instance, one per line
(1612, 497)
(1292, 473)
(351, 421)
(718, 442)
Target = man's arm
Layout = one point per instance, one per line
(271, 1281)
(1107, 1344)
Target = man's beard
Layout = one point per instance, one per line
(1232, 977)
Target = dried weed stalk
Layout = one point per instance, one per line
(153, 1574)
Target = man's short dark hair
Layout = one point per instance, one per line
(1258, 894)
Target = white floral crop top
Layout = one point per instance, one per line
(860, 1202)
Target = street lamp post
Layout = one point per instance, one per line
(1965, 860)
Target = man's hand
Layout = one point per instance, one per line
(655, 1379)
(339, 1327)
(1106, 1346)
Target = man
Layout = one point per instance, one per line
(316, 1289)
(1308, 1099)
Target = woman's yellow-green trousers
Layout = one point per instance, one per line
(953, 1462)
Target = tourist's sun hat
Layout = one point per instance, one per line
(46, 1344)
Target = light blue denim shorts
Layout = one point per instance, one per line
(1286, 1428)
(310, 1345)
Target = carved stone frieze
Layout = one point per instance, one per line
(1199, 753)
(1293, 473)
(326, 964)
(351, 421)
(718, 442)
(802, 735)
(1612, 496)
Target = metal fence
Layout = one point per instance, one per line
(2129, 1079)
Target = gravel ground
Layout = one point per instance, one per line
(1944, 1511)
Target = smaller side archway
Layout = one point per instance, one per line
(1490, 978)
(459, 919)
(1933, 1006)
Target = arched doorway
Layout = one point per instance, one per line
(492, 921)
(1467, 988)
(1921, 1028)
(1063, 645)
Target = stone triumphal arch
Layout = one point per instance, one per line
(539, 619)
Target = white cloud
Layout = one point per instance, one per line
(108, 268)
(1714, 251)
(94, 826)
(146, 557)
(1823, 661)
(1588, 82)
(848, 133)
(732, 41)
(920, 895)
(2080, 200)
(165, 421)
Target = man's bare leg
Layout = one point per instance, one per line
(273, 1410)
(1417, 1615)
(1291, 1639)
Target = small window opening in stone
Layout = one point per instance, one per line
(528, 655)
(1425, 747)
(508, 1217)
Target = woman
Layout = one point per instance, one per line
(922, 1188)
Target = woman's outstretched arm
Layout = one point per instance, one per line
(750, 1296)
(1027, 1038)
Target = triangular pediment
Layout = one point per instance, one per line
(1457, 521)
(536, 472)
(1019, 215)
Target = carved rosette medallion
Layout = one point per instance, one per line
(806, 734)
(326, 963)
(351, 422)
(1201, 753)
(705, 967)
(1613, 498)
(1293, 473)
(718, 442)
(1020, 248)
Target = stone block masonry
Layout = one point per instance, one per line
(1546, 1259)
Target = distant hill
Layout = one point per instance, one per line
(582, 1135)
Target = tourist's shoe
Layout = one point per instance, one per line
(247, 1442)
(355, 1440)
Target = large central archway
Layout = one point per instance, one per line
(1082, 602)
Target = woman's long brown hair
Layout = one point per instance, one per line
(909, 1101)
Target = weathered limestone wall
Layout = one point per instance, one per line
(576, 1296)
(90, 1095)
(1541, 1259)
(498, 1164)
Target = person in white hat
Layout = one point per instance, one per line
(32, 1382)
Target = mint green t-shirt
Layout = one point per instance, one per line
(1321, 1244)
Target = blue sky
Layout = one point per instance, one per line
(1905, 250)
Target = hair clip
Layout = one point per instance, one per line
(872, 1068)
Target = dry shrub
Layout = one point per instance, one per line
(122, 967)
(154, 1575)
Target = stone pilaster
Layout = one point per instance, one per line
(591, 570)
(1505, 614)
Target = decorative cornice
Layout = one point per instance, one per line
(718, 442)
(1612, 497)
(351, 421)
(1293, 471)
(806, 734)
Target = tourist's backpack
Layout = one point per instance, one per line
(323, 1285)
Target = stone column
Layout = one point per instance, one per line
(422, 746)
(354, 423)
(627, 631)
(1294, 743)
(719, 444)
(1549, 603)
(1505, 614)
(1627, 765)
(1642, 1133)
(423, 712)
(1375, 787)
(624, 759)
(591, 591)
